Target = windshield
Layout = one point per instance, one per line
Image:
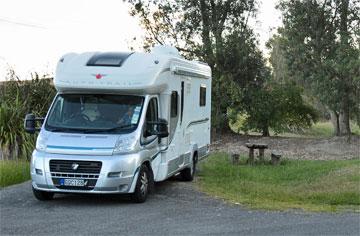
(99, 113)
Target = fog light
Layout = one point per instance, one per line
(123, 188)
(38, 171)
(114, 174)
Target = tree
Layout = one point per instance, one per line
(279, 107)
(320, 44)
(214, 31)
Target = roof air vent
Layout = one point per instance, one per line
(115, 59)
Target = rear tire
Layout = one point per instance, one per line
(142, 185)
(189, 173)
(42, 195)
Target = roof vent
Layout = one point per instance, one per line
(166, 50)
(115, 59)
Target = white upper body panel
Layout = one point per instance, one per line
(138, 73)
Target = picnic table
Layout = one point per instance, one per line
(252, 146)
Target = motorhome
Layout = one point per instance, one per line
(120, 122)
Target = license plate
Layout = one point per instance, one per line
(73, 182)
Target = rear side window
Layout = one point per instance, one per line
(174, 104)
(202, 95)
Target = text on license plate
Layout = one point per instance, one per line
(73, 182)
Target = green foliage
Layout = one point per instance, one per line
(35, 94)
(279, 107)
(318, 47)
(226, 95)
(14, 141)
(17, 99)
(216, 32)
(13, 172)
(301, 184)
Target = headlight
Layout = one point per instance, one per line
(125, 144)
(41, 143)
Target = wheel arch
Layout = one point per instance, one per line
(147, 163)
(136, 175)
(195, 156)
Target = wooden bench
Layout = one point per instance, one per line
(252, 147)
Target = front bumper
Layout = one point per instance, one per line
(126, 165)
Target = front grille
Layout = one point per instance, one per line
(86, 170)
(70, 175)
(92, 167)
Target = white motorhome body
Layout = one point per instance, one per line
(78, 150)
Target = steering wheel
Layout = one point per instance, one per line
(79, 115)
(85, 117)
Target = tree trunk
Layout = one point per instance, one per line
(205, 33)
(335, 122)
(344, 119)
(226, 127)
(225, 122)
(344, 116)
(265, 131)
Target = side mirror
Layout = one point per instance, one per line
(160, 128)
(30, 123)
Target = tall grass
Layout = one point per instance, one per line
(13, 172)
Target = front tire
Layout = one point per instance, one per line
(142, 185)
(42, 195)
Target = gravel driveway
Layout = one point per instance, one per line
(175, 208)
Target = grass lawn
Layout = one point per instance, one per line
(13, 172)
(295, 184)
(321, 130)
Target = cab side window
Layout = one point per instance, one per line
(151, 117)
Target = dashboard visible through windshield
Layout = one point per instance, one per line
(94, 113)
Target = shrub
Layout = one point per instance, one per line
(18, 98)
(14, 141)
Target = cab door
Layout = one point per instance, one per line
(150, 142)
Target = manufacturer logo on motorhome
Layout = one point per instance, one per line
(98, 76)
(74, 166)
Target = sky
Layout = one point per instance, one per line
(35, 34)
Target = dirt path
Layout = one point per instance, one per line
(335, 148)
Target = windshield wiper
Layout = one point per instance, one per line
(108, 130)
(59, 129)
